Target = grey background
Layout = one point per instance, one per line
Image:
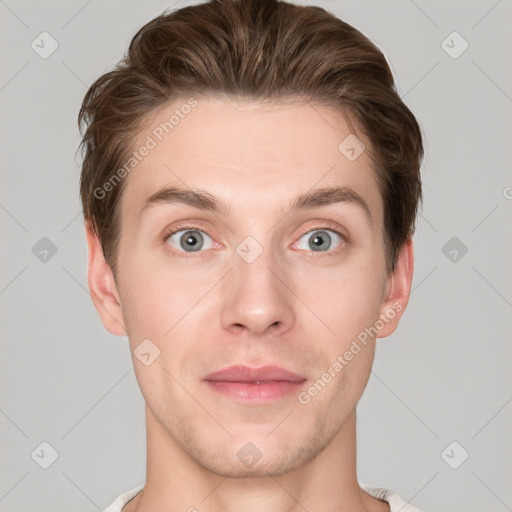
(444, 376)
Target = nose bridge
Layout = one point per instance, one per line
(257, 296)
(256, 263)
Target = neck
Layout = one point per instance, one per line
(176, 482)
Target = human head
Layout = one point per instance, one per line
(259, 142)
(259, 50)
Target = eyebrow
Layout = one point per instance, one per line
(205, 201)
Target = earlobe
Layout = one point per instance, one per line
(102, 287)
(398, 290)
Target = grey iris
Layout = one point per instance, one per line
(317, 242)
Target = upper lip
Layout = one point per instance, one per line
(240, 373)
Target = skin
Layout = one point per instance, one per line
(293, 306)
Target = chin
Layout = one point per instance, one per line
(256, 459)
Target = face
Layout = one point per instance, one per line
(262, 279)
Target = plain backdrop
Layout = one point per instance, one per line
(434, 422)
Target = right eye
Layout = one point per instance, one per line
(188, 240)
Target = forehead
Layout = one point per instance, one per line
(252, 156)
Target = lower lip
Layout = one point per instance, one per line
(263, 392)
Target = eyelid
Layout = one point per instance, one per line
(323, 225)
(187, 226)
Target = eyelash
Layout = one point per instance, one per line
(327, 227)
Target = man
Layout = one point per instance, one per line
(250, 185)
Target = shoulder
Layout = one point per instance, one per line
(396, 503)
(123, 499)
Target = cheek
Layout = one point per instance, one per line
(159, 301)
(148, 302)
(347, 302)
(346, 299)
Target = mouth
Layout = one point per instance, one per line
(263, 384)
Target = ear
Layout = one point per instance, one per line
(102, 287)
(398, 289)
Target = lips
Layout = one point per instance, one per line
(246, 374)
(243, 384)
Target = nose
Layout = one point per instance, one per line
(258, 298)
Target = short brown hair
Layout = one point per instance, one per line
(260, 50)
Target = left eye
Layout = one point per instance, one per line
(320, 240)
(191, 241)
